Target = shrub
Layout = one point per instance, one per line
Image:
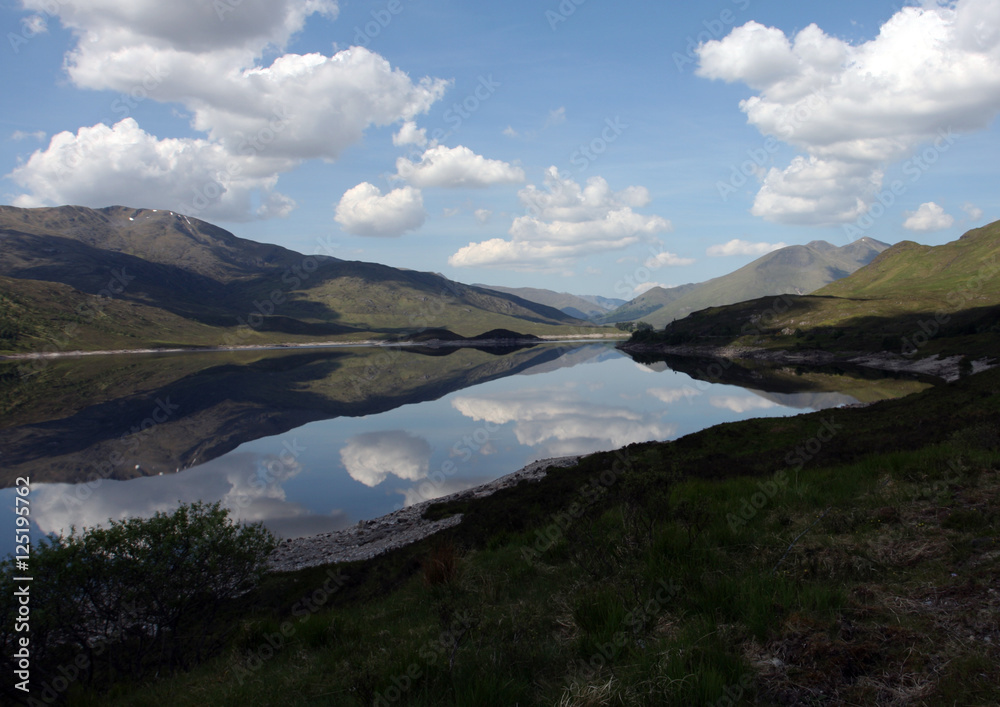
(139, 594)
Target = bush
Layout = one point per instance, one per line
(140, 594)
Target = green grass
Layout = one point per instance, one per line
(911, 300)
(864, 576)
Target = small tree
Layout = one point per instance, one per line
(139, 593)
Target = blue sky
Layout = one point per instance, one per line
(582, 145)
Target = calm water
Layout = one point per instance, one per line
(313, 441)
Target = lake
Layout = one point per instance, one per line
(313, 440)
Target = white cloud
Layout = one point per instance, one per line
(741, 247)
(973, 211)
(483, 215)
(206, 57)
(567, 222)
(410, 134)
(456, 167)
(371, 457)
(364, 211)
(852, 109)
(22, 135)
(122, 164)
(664, 258)
(510, 132)
(928, 217)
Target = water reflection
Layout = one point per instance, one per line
(372, 456)
(560, 421)
(310, 442)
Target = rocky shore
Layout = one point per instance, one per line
(945, 368)
(373, 537)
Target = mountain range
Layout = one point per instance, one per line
(796, 269)
(81, 278)
(910, 299)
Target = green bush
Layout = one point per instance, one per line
(139, 594)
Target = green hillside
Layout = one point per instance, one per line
(581, 306)
(797, 270)
(935, 300)
(218, 289)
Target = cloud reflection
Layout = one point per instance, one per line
(248, 484)
(741, 403)
(559, 421)
(371, 457)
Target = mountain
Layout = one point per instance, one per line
(797, 269)
(579, 306)
(137, 267)
(910, 299)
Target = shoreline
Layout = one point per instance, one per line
(947, 369)
(364, 343)
(370, 538)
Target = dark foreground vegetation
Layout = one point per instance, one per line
(847, 556)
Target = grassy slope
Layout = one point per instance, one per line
(793, 270)
(951, 291)
(204, 280)
(562, 301)
(783, 567)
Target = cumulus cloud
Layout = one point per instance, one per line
(928, 217)
(483, 215)
(207, 57)
(364, 211)
(371, 457)
(410, 134)
(456, 167)
(123, 164)
(566, 221)
(741, 247)
(853, 108)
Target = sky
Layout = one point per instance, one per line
(582, 146)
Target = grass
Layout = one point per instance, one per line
(865, 575)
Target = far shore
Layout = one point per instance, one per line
(547, 338)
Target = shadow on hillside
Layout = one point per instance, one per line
(785, 322)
